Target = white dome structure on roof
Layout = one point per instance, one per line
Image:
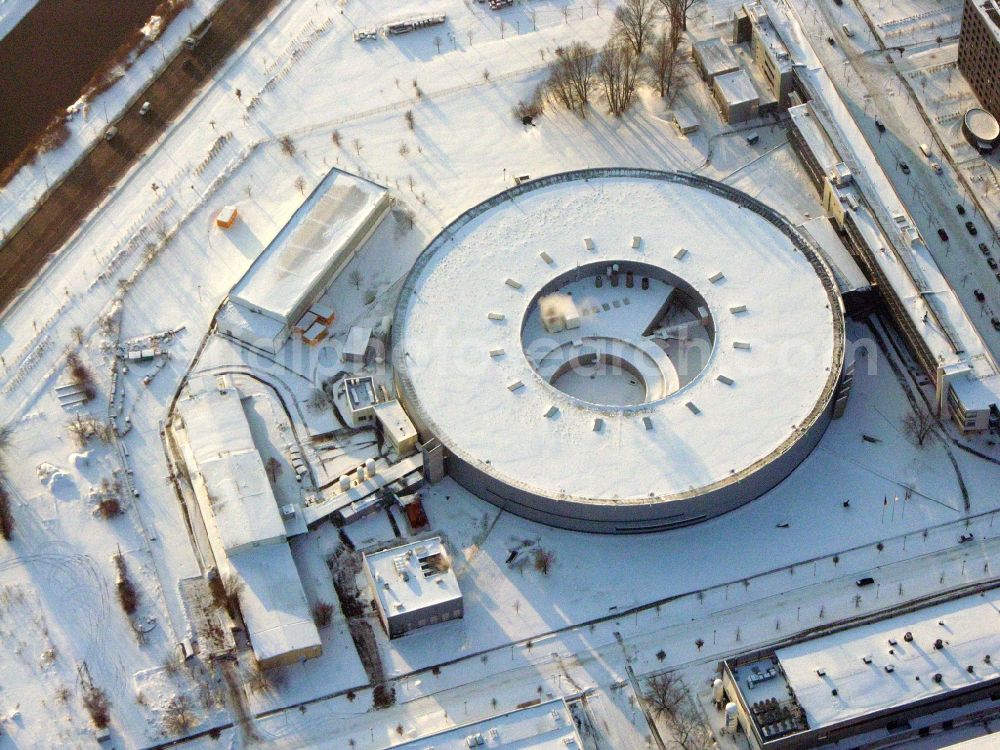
(620, 350)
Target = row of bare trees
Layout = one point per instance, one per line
(646, 42)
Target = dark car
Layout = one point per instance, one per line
(992, 262)
(972, 228)
(880, 126)
(960, 208)
(966, 538)
(996, 323)
(983, 248)
(866, 581)
(979, 295)
(943, 235)
(905, 167)
(830, 40)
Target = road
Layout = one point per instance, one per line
(873, 85)
(25, 251)
(594, 658)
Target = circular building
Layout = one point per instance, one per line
(620, 350)
(981, 129)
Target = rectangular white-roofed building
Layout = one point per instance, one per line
(396, 426)
(545, 726)
(274, 606)
(736, 96)
(860, 686)
(322, 236)
(243, 523)
(414, 585)
(713, 58)
(356, 346)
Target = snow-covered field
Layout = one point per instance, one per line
(151, 259)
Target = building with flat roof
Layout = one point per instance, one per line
(979, 51)
(303, 258)
(713, 57)
(414, 585)
(736, 96)
(860, 686)
(361, 398)
(244, 526)
(544, 726)
(622, 423)
(753, 24)
(395, 426)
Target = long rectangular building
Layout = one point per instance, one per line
(859, 687)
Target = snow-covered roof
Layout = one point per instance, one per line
(330, 219)
(849, 277)
(545, 726)
(736, 88)
(239, 492)
(776, 357)
(394, 420)
(357, 342)
(273, 604)
(812, 133)
(715, 56)
(900, 671)
(405, 581)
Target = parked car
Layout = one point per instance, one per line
(936, 167)
(866, 581)
(880, 126)
(979, 295)
(996, 323)
(905, 167)
(110, 133)
(144, 109)
(992, 262)
(972, 228)
(960, 208)
(830, 40)
(983, 248)
(998, 275)
(966, 538)
(943, 235)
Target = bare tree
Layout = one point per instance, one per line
(918, 424)
(618, 71)
(677, 10)
(634, 22)
(571, 76)
(669, 702)
(665, 59)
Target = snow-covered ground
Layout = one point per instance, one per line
(152, 253)
(11, 13)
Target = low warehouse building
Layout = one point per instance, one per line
(245, 530)
(414, 586)
(396, 427)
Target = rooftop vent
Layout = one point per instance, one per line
(681, 252)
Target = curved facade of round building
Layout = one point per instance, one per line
(620, 350)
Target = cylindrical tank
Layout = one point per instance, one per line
(732, 718)
(360, 476)
(370, 468)
(717, 691)
(345, 482)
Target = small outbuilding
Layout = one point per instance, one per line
(414, 586)
(356, 346)
(227, 217)
(395, 427)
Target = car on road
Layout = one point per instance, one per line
(144, 109)
(830, 40)
(936, 167)
(998, 276)
(878, 123)
(866, 581)
(992, 263)
(979, 295)
(960, 208)
(996, 323)
(943, 235)
(110, 133)
(972, 228)
(983, 248)
(905, 167)
(966, 538)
